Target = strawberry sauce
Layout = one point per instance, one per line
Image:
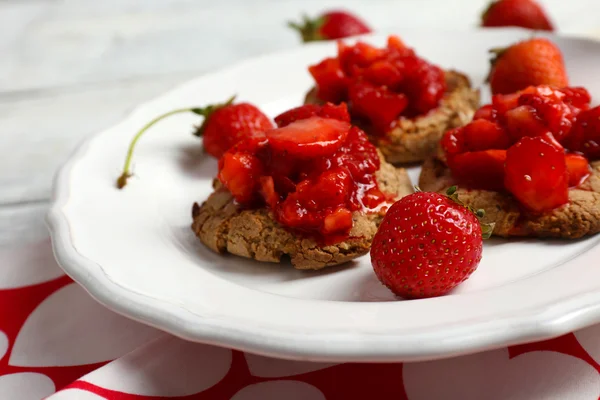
(535, 144)
(380, 84)
(312, 172)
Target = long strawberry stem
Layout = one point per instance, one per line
(201, 111)
(122, 180)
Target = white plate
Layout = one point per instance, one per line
(133, 250)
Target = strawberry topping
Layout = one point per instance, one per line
(536, 174)
(312, 172)
(525, 142)
(381, 84)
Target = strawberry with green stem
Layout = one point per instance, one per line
(330, 25)
(427, 244)
(224, 125)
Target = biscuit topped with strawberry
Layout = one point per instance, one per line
(314, 189)
(530, 159)
(401, 100)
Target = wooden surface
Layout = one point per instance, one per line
(71, 68)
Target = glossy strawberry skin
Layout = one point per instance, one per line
(330, 80)
(523, 121)
(557, 116)
(328, 110)
(426, 245)
(585, 136)
(229, 124)
(578, 169)
(532, 62)
(523, 13)
(423, 83)
(310, 137)
(453, 142)
(241, 171)
(377, 104)
(536, 174)
(486, 112)
(334, 24)
(482, 134)
(341, 24)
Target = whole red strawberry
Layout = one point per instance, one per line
(226, 124)
(523, 13)
(427, 244)
(531, 62)
(330, 25)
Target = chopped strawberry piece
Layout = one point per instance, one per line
(309, 138)
(536, 174)
(577, 96)
(298, 113)
(424, 84)
(303, 208)
(486, 112)
(504, 102)
(556, 115)
(361, 55)
(240, 172)
(338, 221)
(480, 169)
(453, 142)
(549, 138)
(585, 136)
(377, 104)
(267, 189)
(482, 134)
(329, 110)
(331, 80)
(523, 121)
(373, 197)
(578, 169)
(398, 47)
(383, 73)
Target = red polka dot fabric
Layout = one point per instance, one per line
(56, 342)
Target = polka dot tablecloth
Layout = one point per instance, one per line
(56, 342)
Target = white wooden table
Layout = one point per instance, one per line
(70, 68)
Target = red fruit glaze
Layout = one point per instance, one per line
(426, 245)
(331, 80)
(241, 171)
(380, 84)
(486, 112)
(311, 173)
(482, 134)
(523, 121)
(453, 142)
(227, 125)
(536, 174)
(329, 110)
(480, 169)
(578, 169)
(585, 136)
(309, 138)
(377, 104)
(558, 118)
